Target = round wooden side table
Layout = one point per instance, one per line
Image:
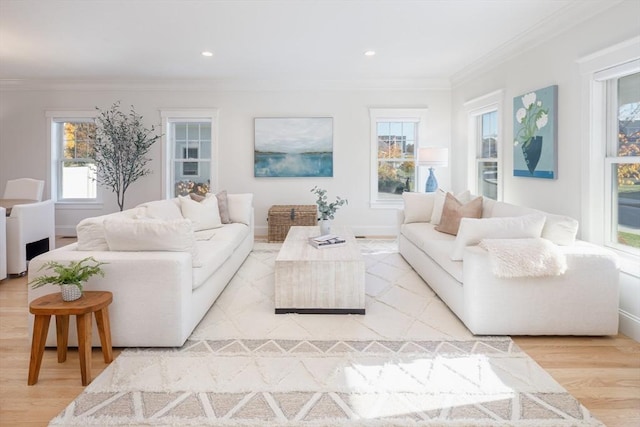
(52, 304)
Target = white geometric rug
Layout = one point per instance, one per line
(408, 362)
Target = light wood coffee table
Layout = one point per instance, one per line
(319, 281)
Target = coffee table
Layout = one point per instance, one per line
(319, 281)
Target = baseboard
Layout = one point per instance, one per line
(368, 231)
(65, 230)
(629, 325)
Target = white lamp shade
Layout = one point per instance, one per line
(433, 156)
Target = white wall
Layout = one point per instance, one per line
(553, 62)
(23, 144)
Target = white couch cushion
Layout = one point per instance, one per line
(435, 244)
(204, 214)
(215, 251)
(213, 255)
(149, 234)
(417, 206)
(473, 230)
(240, 207)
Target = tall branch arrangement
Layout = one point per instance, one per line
(120, 150)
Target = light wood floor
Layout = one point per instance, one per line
(602, 372)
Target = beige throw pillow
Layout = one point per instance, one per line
(223, 207)
(453, 211)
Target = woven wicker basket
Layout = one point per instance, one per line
(282, 217)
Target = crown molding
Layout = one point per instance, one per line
(222, 85)
(550, 27)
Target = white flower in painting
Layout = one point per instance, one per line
(515, 143)
(529, 99)
(539, 103)
(520, 114)
(542, 121)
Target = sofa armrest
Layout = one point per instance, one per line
(399, 218)
(159, 281)
(544, 305)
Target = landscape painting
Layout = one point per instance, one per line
(293, 147)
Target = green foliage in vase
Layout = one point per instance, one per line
(327, 210)
(74, 273)
(532, 117)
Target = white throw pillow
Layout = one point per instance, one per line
(90, 231)
(417, 206)
(473, 230)
(204, 214)
(240, 207)
(438, 203)
(560, 229)
(161, 209)
(149, 234)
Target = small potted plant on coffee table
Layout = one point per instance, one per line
(326, 210)
(71, 277)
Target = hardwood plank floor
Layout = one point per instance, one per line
(602, 372)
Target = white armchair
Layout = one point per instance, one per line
(24, 188)
(26, 224)
(3, 243)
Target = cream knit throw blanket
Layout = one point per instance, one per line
(534, 257)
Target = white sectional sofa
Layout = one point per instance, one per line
(167, 262)
(538, 280)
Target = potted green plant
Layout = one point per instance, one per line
(326, 210)
(70, 277)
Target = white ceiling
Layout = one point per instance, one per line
(271, 39)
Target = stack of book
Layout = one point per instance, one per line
(327, 241)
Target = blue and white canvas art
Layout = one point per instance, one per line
(535, 133)
(293, 147)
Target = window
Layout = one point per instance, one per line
(395, 136)
(190, 168)
(484, 115)
(73, 172)
(487, 155)
(189, 141)
(622, 162)
(610, 209)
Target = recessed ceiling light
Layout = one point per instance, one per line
(370, 53)
(207, 53)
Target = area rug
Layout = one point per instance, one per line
(408, 362)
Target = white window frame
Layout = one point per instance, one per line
(54, 171)
(189, 115)
(597, 212)
(413, 115)
(475, 108)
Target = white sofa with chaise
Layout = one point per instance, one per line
(581, 298)
(167, 262)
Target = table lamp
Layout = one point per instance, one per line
(432, 156)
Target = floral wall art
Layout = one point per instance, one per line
(293, 147)
(535, 133)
